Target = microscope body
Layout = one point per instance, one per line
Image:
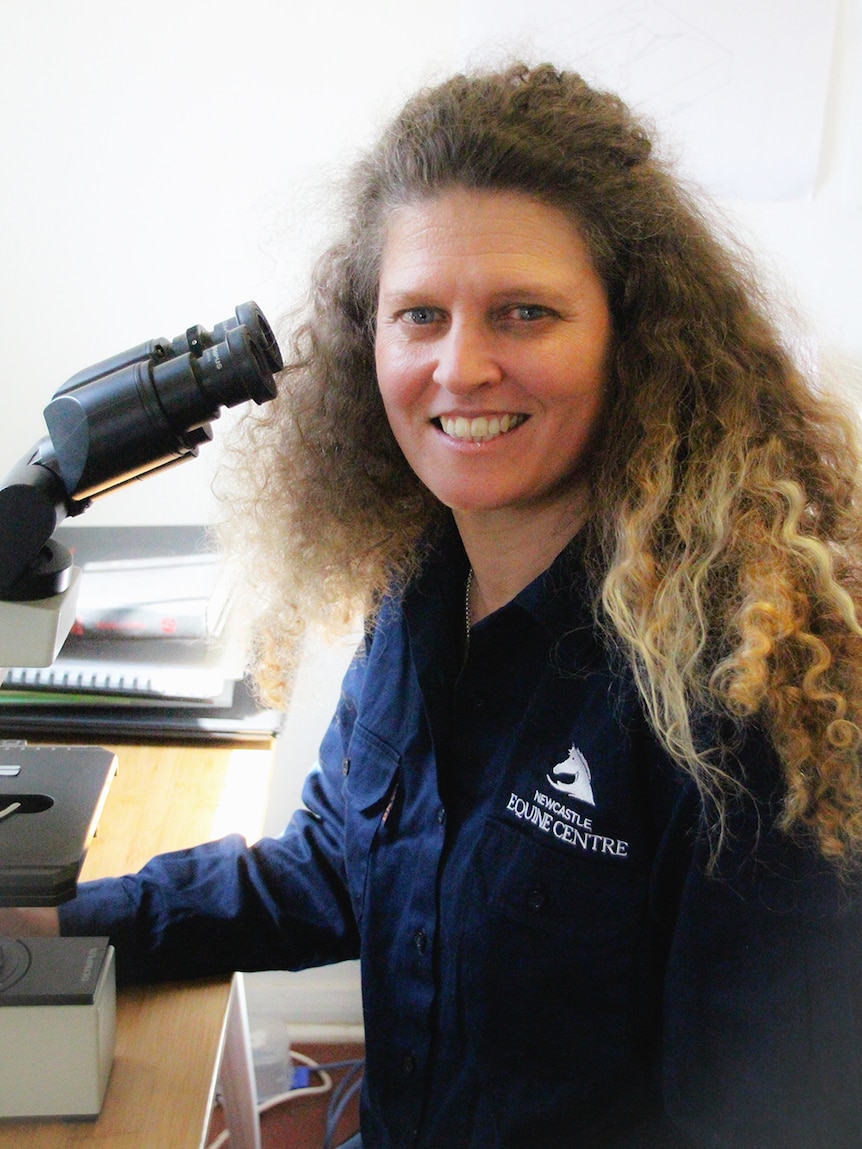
(135, 413)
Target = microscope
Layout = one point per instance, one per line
(118, 421)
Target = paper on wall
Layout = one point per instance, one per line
(737, 88)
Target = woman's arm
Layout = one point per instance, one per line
(279, 903)
(42, 921)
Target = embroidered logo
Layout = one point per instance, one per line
(563, 820)
(575, 777)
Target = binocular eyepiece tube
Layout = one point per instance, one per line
(150, 405)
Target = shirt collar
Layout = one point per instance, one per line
(558, 599)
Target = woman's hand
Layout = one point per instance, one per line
(41, 921)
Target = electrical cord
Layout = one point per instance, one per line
(341, 1094)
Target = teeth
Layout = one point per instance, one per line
(480, 429)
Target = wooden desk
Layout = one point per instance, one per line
(169, 1038)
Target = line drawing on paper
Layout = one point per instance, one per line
(654, 54)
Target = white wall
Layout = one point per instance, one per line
(163, 161)
(815, 244)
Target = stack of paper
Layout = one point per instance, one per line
(151, 653)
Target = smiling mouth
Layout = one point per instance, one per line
(480, 429)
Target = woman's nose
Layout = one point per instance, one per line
(466, 359)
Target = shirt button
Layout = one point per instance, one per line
(421, 940)
(441, 815)
(408, 1064)
(536, 900)
(345, 766)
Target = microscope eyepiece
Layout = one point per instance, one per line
(143, 408)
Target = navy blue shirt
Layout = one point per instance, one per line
(546, 959)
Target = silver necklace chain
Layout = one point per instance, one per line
(468, 596)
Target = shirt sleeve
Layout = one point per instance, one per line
(281, 903)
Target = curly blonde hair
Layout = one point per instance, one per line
(725, 537)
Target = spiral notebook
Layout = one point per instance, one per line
(150, 657)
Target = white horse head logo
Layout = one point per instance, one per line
(577, 784)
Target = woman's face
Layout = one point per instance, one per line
(493, 333)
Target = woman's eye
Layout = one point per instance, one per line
(419, 316)
(528, 312)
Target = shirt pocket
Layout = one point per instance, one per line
(553, 955)
(372, 771)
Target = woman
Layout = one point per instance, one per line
(589, 810)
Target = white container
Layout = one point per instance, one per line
(270, 1051)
